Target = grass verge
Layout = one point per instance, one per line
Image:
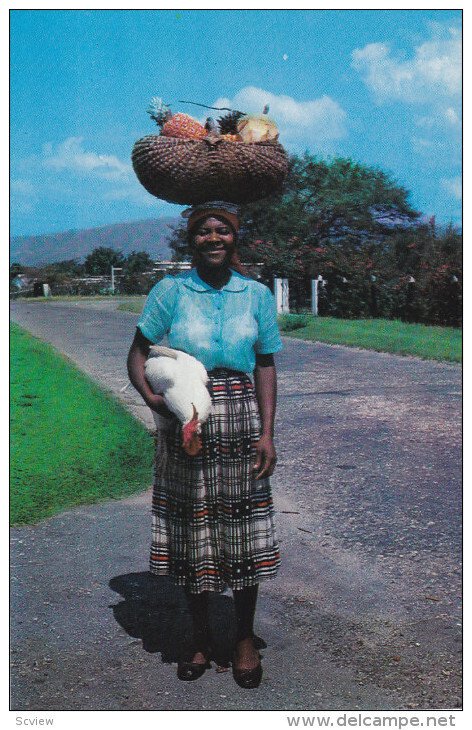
(139, 298)
(135, 305)
(71, 443)
(384, 335)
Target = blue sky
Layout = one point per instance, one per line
(380, 86)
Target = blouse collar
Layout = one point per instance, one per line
(236, 283)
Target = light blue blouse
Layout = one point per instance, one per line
(220, 327)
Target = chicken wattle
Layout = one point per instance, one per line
(191, 439)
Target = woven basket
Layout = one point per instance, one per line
(188, 171)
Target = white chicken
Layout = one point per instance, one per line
(182, 380)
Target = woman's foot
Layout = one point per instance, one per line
(195, 667)
(247, 667)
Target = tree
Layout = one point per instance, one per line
(178, 243)
(324, 202)
(137, 273)
(137, 262)
(15, 269)
(100, 261)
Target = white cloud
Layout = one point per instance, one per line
(22, 186)
(435, 68)
(453, 186)
(68, 171)
(447, 118)
(451, 116)
(314, 122)
(23, 195)
(422, 144)
(70, 155)
(108, 178)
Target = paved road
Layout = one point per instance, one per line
(366, 612)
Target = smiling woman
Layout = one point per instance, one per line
(214, 243)
(212, 512)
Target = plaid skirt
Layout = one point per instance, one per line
(212, 522)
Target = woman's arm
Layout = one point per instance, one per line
(265, 380)
(137, 357)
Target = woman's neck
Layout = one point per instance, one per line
(217, 278)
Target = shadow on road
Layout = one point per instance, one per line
(155, 610)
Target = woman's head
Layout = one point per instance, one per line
(212, 234)
(213, 241)
(225, 211)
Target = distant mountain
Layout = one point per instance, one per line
(148, 235)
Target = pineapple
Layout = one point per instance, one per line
(174, 125)
(231, 137)
(228, 123)
(159, 111)
(183, 126)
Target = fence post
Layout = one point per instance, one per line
(281, 295)
(314, 297)
(314, 294)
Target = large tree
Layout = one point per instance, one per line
(100, 261)
(325, 202)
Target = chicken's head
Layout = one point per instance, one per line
(191, 441)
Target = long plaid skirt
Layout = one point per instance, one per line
(212, 522)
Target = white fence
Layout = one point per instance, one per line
(281, 293)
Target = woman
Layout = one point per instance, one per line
(212, 513)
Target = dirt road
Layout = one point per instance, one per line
(366, 611)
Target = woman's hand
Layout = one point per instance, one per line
(265, 457)
(157, 404)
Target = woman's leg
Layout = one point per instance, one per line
(198, 605)
(194, 666)
(246, 655)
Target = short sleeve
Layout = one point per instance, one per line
(156, 317)
(268, 340)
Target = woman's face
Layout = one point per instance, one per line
(214, 242)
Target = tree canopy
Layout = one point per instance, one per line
(324, 202)
(101, 259)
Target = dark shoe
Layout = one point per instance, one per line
(248, 678)
(188, 671)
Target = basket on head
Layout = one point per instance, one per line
(188, 171)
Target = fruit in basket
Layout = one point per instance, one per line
(183, 126)
(212, 127)
(178, 125)
(229, 122)
(257, 128)
(231, 137)
(159, 111)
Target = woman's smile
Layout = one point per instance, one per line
(214, 242)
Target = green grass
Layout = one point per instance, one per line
(81, 298)
(383, 335)
(71, 443)
(135, 305)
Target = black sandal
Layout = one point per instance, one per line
(188, 671)
(248, 678)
